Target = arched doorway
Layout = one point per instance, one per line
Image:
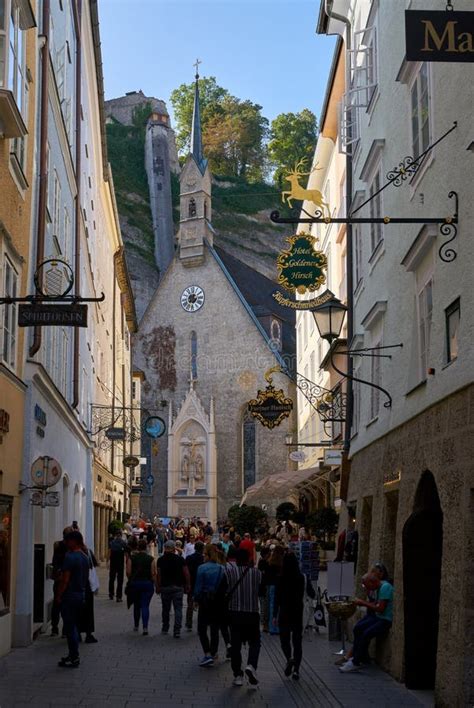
(422, 556)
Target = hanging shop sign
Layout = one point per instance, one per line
(333, 458)
(301, 268)
(298, 456)
(439, 35)
(45, 472)
(131, 461)
(43, 315)
(155, 427)
(115, 434)
(300, 193)
(271, 405)
(41, 497)
(303, 304)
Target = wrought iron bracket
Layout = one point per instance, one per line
(448, 224)
(345, 375)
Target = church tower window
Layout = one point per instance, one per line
(194, 345)
(192, 208)
(249, 434)
(205, 209)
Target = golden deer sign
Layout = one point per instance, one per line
(299, 192)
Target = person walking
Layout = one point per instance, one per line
(241, 585)
(117, 549)
(208, 580)
(71, 593)
(288, 607)
(59, 553)
(192, 563)
(275, 564)
(141, 572)
(172, 581)
(263, 568)
(86, 619)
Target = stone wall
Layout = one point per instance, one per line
(440, 440)
(232, 358)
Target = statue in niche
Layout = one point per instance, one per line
(192, 211)
(192, 464)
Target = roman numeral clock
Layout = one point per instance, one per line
(192, 298)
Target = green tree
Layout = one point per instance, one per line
(285, 511)
(323, 521)
(246, 518)
(292, 137)
(182, 99)
(234, 131)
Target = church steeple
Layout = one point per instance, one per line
(196, 130)
(195, 195)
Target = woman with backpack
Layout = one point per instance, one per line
(207, 596)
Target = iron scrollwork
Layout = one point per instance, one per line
(449, 228)
(408, 167)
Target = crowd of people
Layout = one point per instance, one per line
(236, 588)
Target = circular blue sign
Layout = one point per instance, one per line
(155, 427)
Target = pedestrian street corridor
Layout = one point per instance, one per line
(127, 669)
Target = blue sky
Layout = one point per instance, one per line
(263, 50)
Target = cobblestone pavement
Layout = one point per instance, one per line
(128, 669)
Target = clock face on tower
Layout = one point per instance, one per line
(192, 298)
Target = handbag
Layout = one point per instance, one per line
(319, 616)
(93, 577)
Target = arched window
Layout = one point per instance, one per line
(192, 207)
(275, 331)
(249, 434)
(205, 209)
(194, 351)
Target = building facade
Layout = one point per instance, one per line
(67, 370)
(18, 85)
(209, 334)
(411, 480)
(327, 174)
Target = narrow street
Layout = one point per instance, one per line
(127, 669)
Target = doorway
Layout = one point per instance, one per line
(422, 558)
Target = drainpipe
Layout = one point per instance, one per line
(349, 262)
(77, 252)
(114, 354)
(43, 174)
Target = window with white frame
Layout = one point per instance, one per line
(420, 111)
(357, 240)
(453, 319)
(356, 404)
(56, 204)
(376, 378)
(425, 313)
(9, 325)
(13, 76)
(375, 209)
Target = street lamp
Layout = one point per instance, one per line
(329, 318)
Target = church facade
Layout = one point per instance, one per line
(209, 334)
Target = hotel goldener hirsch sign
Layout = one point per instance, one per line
(301, 267)
(439, 35)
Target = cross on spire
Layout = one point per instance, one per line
(196, 66)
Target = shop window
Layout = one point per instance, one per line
(5, 552)
(453, 317)
(9, 328)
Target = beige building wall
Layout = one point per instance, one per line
(16, 188)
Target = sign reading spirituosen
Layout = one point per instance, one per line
(439, 35)
(301, 267)
(52, 315)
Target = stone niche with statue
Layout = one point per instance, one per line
(192, 484)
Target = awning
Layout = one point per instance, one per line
(281, 485)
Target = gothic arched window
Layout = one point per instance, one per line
(205, 209)
(192, 207)
(194, 350)
(249, 457)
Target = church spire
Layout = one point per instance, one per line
(196, 131)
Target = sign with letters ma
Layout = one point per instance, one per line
(439, 35)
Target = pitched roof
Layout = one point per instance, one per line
(256, 289)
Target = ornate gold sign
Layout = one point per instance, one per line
(300, 193)
(301, 267)
(271, 406)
